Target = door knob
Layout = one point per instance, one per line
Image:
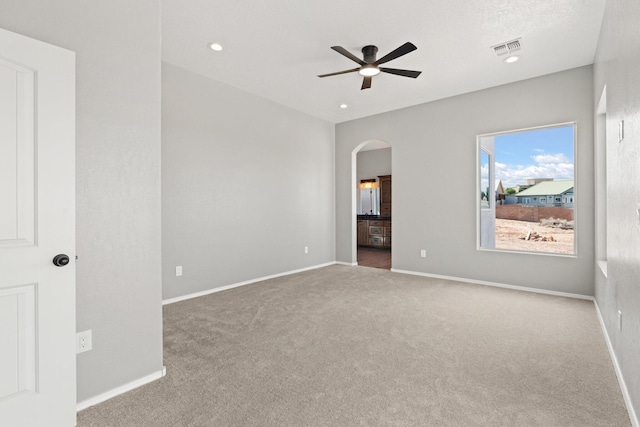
(60, 260)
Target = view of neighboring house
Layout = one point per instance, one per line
(547, 193)
(530, 183)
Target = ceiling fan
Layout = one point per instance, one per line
(370, 67)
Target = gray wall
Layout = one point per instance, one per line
(616, 66)
(434, 180)
(117, 45)
(246, 185)
(371, 164)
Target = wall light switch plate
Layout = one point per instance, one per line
(83, 341)
(621, 131)
(306, 249)
(423, 253)
(620, 320)
(179, 270)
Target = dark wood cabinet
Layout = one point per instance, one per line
(374, 233)
(363, 232)
(387, 234)
(385, 195)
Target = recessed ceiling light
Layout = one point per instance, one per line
(511, 59)
(215, 46)
(343, 106)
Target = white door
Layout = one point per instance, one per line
(37, 222)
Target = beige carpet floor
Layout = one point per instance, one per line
(357, 346)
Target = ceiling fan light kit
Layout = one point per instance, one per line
(370, 67)
(369, 71)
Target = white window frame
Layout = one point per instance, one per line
(527, 200)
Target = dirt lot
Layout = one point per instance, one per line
(509, 234)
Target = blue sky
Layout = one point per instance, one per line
(540, 153)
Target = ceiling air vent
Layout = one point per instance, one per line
(507, 47)
(514, 45)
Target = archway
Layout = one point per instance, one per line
(371, 227)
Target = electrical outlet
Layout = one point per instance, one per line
(179, 270)
(620, 320)
(306, 249)
(423, 253)
(83, 341)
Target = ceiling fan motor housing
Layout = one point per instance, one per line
(370, 67)
(369, 53)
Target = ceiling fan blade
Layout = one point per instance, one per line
(366, 83)
(402, 50)
(404, 73)
(348, 54)
(339, 72)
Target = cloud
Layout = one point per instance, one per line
(551, 158)
(512, 175)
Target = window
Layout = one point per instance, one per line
(535, 167)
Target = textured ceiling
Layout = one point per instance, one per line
(276, 48)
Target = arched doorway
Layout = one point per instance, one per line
(371, 204)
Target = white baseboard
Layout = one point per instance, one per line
(121, 389)
(623, 386)
(497, 285)
(350, 264)
(246, 282)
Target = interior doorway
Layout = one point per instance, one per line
(372, 203)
